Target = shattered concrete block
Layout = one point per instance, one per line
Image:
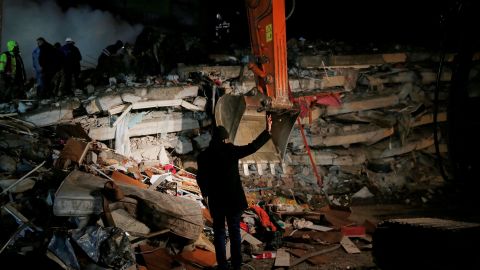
(200, 102)
(150, 153)
(109, 101)
(7, 164)
(130, 98)
(51, 115)
(91, 107)
(184, 146)
(202, 141)
(170, 93)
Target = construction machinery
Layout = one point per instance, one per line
(244, 115)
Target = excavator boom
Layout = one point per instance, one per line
(266, 19)
(244, 116)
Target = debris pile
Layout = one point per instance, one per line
(108, 179)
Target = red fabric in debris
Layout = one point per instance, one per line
(244, 227)
(327, 99)
(264, 218)
(170, 168)
(331, 99)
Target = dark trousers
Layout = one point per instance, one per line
(233, 223)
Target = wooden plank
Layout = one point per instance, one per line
(309, 255)
(282, 259)
(349, 246)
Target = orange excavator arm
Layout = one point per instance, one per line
(244, 116)
(266, 19)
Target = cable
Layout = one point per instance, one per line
(435, 114)
(291, 11)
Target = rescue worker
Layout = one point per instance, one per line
(71, 65)
(12, 72)
(106, 65)
(50, 60)
(222, 189)
(38, 70)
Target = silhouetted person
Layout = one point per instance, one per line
(38, 69)
(106, 60)
(50, 60)
(221, 187)
(71, 65)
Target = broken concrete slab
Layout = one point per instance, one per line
(110, 101)
(357, 61)
(170, 93)
(217, 71)
(202, 140)
(368, 134)
(47, 116)
(164, 103)
(390, 149)
(351, 156)
(184, 146)
(164, 123)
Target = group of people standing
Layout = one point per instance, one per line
(57, 69)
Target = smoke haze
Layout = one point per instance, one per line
(92, 30)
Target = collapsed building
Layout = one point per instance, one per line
(107, 179)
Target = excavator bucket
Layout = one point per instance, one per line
(241, 118)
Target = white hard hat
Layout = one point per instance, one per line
(68, 39)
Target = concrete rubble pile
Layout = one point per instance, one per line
(109, 178)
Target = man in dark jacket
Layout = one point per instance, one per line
(50, 60)
(71, 65)
(220, 184)
(108, 62)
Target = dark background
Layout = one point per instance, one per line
(408, 21)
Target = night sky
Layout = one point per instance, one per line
(374, 20)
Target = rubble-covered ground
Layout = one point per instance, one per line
(106, 179)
